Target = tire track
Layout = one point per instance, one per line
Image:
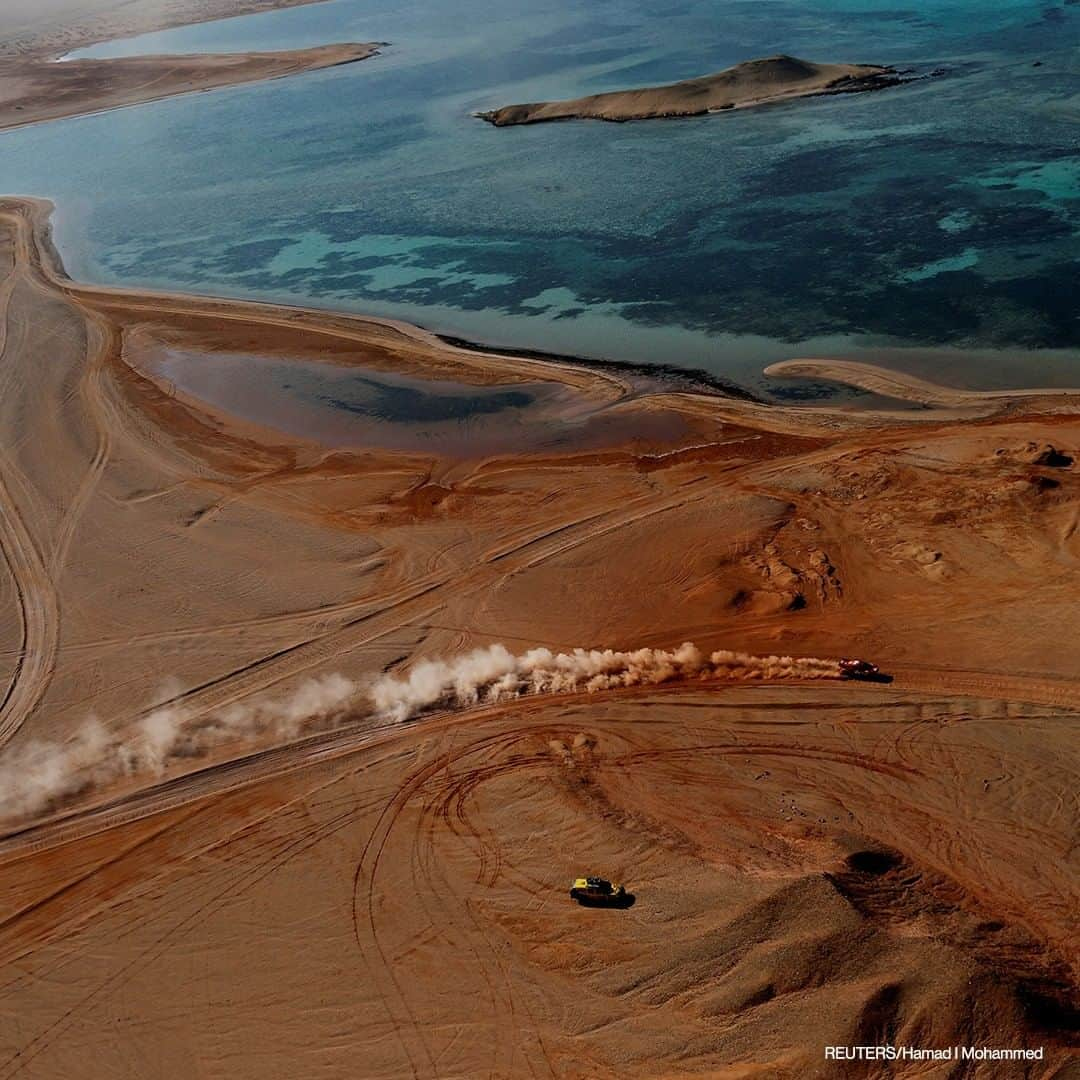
(38, 603)
(259, 765)
(90, 389)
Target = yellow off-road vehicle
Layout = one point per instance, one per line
(597, 890)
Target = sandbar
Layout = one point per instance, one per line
(47, 29)
(33, 90)
(906, 387)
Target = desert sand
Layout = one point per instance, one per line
(306, 878)
(754, 82)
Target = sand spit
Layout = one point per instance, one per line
(905, 387)
(47, 29)
(32, 90)
(754, 82)
(814, 862)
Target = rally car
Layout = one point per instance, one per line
(597, 890)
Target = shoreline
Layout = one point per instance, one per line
(485, 360)
(480, 365)
(669, 376)
(477, 358)
(692, 391)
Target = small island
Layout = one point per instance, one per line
(755, 82)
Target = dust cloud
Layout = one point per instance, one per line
(495, 674)
(42, 776)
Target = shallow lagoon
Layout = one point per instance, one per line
(346, 404)
(933, 226)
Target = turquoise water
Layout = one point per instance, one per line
(933, 226)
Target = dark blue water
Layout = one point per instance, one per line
(933, 226)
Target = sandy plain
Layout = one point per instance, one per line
(813, 862)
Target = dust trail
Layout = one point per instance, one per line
(495, 674)
(43, 776)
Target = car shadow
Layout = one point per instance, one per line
(627, 900)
